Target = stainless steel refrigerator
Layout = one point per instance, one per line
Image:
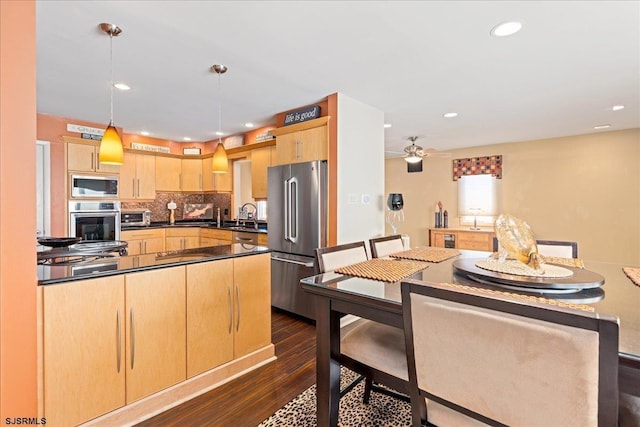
(297, 216)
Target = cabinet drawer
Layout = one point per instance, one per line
(183, 232)
(473, 237)
(151, 233)
(263, 239)
(215, 234)
(478, 246)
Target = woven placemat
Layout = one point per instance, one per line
(633, 274)
(569, 262)
(427, 254)
(386, 270)
(515, 267)
(521, 297)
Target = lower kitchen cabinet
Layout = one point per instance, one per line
(156, 331)
(228, 310)
(479, 240)
(182, 238)
(144, 241)
(214, 237)
(83, 349)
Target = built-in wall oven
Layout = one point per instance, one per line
(95, 220)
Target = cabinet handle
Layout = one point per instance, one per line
(238, 298)
(230, 309)
(145, 246)
(138, 187)
(200, 180)
(133, 181)
(119, 338)
(92, 165)
(133, 337)
(140, 244)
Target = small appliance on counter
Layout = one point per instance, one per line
(135, 218)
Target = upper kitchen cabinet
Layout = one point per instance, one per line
(302, 142)
(83, 157)
(261, 159)
(221, 182)
(191, 179)
(168, 173)
(138, 177)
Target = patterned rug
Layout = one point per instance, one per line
(382, 410)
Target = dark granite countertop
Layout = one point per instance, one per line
(199, 224)
(53, 274)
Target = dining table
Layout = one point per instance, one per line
(337, 295)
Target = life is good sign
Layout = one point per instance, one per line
(303, 115)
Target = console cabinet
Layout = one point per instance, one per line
(461, 238)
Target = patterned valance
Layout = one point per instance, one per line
(478, 166)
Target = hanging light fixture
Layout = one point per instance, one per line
(220, 163)
(111, 145)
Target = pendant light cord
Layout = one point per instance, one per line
(111, 65)
(219, 109)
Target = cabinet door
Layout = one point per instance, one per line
(209, 315)
(128, 177)
(286, 149)
(135, 247)
(223, 182)
(84, 345)
(145, 176)
(207, 174)
(81, 157)
(173, 243)
(191, 242)
(260, 161)
(252, 323)
(313, 144)
(191, 175)
(437, 239)
(156, 331)
(153, 245)
(168, 170)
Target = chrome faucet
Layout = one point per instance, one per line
(244, 212)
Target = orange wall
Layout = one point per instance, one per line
(18, 352)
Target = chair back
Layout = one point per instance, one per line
(332, 257)
(478, 354)
(556, 248)
(383, 246)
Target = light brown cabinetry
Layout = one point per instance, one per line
(480, 240)
(156, 331)
(84, 346)
(168, 172)
(84, 158)
(214, 237)
(261, 159)
(191, 178)
(220, 182)
(182, 238)
(144, 241)
(302, 142)
(228, 310)
(263, 239)
(138, 177)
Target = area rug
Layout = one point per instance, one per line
(382, 410)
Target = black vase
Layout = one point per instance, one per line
(395, 202)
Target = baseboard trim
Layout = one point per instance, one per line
(159, 402)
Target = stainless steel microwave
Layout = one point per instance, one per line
(94, 186)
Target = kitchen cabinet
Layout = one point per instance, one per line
(261, 159)
(168, 173)
(138, 177)
(228, 310)
(182, 238)
(263, 239)
(144, 241)
(155, 331)
(220, 182)
(83, 349)
(302, 142)
(480, 240)
(84, 158)
(214, 237)
(191, 175)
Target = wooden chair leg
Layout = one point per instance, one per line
(368, 383)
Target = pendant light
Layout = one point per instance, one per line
(220, 162)
(111, 145)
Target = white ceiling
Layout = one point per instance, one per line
(414, 60)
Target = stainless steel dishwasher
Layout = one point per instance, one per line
(245, 237)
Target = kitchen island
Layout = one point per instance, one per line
(123, 338)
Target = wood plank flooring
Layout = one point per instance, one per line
(248, 400)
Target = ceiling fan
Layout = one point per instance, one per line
(415, 153)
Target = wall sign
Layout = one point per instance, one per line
(303, 115)
(85, 130)
(148, 147)
(478, 166)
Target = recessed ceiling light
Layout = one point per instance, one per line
(121, 86)
(602, 126)
(387, 125)
(617, 107)
(218, 133)
(248, 125)
(450, 115)
(506, 29)
(144, 133)
(186, 138)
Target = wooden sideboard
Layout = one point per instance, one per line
(462, 238)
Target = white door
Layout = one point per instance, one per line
(43, 190)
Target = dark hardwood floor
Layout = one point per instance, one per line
(248, 400)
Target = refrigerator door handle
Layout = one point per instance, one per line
(293, 210)
(290, 261)
(286, 209)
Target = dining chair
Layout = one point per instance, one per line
(371, 349)
(383, 246)
(556, 248)
(497, 358)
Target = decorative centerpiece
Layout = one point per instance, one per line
(395, 215)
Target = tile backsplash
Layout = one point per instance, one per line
(160, 212)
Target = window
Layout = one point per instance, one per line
(477, 199)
